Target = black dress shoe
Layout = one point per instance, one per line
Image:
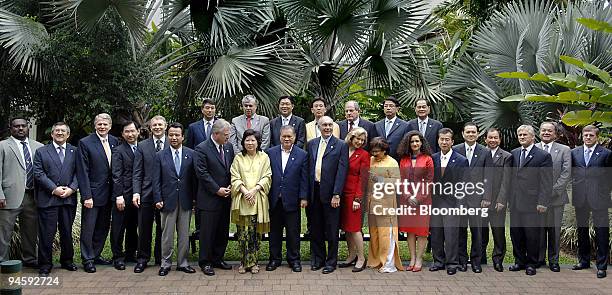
(44, 271)
(436, 267)
(296, 267)
(358, 269)
(163, 271)
(451, 271)
(140, 267)
(119, 265)
(328, 269)
(222, 265)
(186, 269)
(601, 274)
(498, 267)
(516, 267)
(208, 270)
(89, 267)
(102, 261)
(530, 271)
(580, 266)
(272, 265)
(555, 267)
(348, 264)
(70, 267)
(315, 267)
(462, 267)
(476, 268)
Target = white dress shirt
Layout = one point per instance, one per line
(445, 157)
(285, 157)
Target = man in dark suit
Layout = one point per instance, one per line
(142, 198)
(95, 185)
(174, 188)
(328, 161)
(449, 168)
(424, 124)
(286, 117)
(530, 197)
(553, 217)
(124, 215)
(212, 162)
(200, 130)
(289, 193)
(353, 120)
(475, 153)
(56, 185)
(591, 196)
(391, 127)
(498, 170)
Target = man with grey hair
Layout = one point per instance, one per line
(531, 192)
(94, 176)
(249, 120)
(353, 120)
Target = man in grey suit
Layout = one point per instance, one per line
(353, 120)
(562, 170)
(249, 120)
(17, 191)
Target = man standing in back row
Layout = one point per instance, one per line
(391, 127)
(423, 123)
(353, 120)
(286, 117)
(249, 120)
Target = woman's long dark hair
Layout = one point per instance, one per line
(404, 148)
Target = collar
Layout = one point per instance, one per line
(288, 118)
(450, 152)
(392, 120)
(421, 121)
(550, 143)
(528, 149)
(355, 122)
(592, 148)
(494, 151)
(472, 146)
(212, 121)
(132, 146)
(102, 138)
(287, 151)
(252, 116)
(325, 139)
(18, 142)
(180, 150)
(163, 139)
(55, 145)
(216, 143)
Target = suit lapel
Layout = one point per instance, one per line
(330, 146)
(290, 160)
(100, 148)
(15, 149)
(55, 157)
(184, 162)
(594, 154)
(213, 148)
(529, 156)
(395, 126)
(498, 157)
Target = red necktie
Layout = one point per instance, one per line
(351, 126)
(248, 123)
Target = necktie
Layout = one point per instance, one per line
(469, 155)
(107, 150)
(207, 130)
(423, 127)
(28, 162)
(222, 154)
(443, 164)
(285, 122)
(134, 149)
(523, 155)
(387, 127)
(319, 163)
(158, 145)
(317, 131)
(351, 125)
(60, 153)
(248, 123)
(587, 156)
(177, 162)
(546, 148)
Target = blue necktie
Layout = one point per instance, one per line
(60, 153)
(523, 155)
(177, 162)
(28, 163)
(587, 156)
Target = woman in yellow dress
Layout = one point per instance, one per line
(383, 250)
(251, 178)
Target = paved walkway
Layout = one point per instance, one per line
(283, 281)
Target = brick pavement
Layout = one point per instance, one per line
(283, 281)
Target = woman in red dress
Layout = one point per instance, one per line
(417, 168)
(350, 207)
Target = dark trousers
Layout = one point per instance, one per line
(601, 222)
(124, 226)
(496, 220)
(444, 240)
(290, 221)
(147, 214)
(474, 222)
(324, 227)
(525, 232)
(95, 224)
(214, 234)
(550, 237)
(51, 219)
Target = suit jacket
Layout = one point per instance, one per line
(363, 123)
(311, 132)
(173, 188)
(258, 123)
(291, 185)
(144, 169)
(453, 173)
(334, 168)
(212, 173)
(50, 172)
(475, 173)
(431, 132)
(13, 171)
(591, 183)
(298, 124)
(397, 132)
(196, 133)
(562, 171)
(532, 182)
(122, 169)
(498, 173)
(93, 171)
